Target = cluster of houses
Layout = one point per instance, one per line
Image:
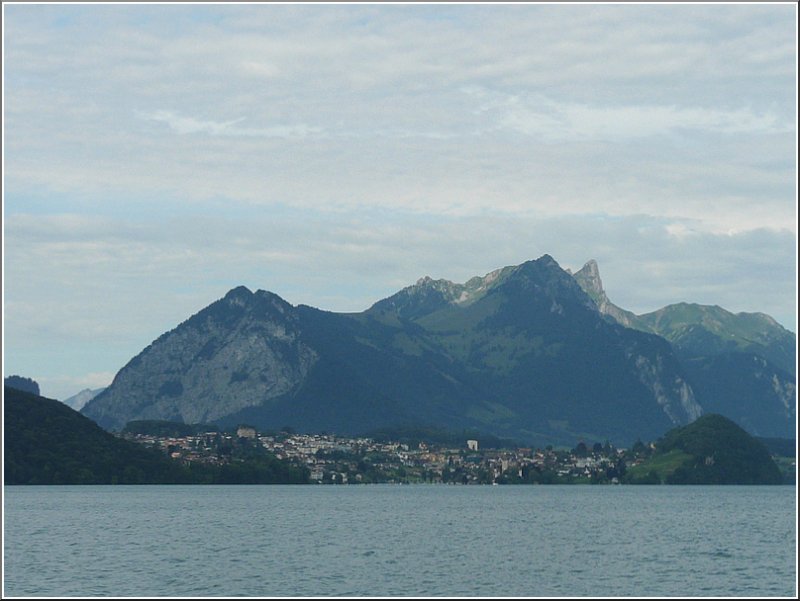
(334, 459)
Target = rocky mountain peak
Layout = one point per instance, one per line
(241, 301)
(428, 282)
(589, 278)
(428, 295)
(238, 296)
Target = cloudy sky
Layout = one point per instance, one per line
(156, 156)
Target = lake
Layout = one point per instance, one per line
(393, 540)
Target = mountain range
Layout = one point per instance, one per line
(530, 352)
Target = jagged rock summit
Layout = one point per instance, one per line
(589, 279)
(429, 295)
(522, 352)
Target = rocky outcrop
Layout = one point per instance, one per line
(241, 351)
(22, 383)
(589, 280)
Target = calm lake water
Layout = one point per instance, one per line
(385, 540)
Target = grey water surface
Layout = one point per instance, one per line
(392, 540)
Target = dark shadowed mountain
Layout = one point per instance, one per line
(740, 365)
(21, 383)
(522, 352)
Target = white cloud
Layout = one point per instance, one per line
(541, 116)
(188, 125)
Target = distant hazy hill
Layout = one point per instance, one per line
(711, 450)
(77, 401)
(520, 353)
(741, 365)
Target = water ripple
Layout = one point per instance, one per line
(399, 541)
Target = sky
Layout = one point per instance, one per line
(156, 156)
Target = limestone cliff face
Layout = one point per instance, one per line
(674, 395)
(239, 352)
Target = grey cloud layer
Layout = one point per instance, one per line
(508, 108)
(156, 155)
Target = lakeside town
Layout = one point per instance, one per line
(331, 459)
